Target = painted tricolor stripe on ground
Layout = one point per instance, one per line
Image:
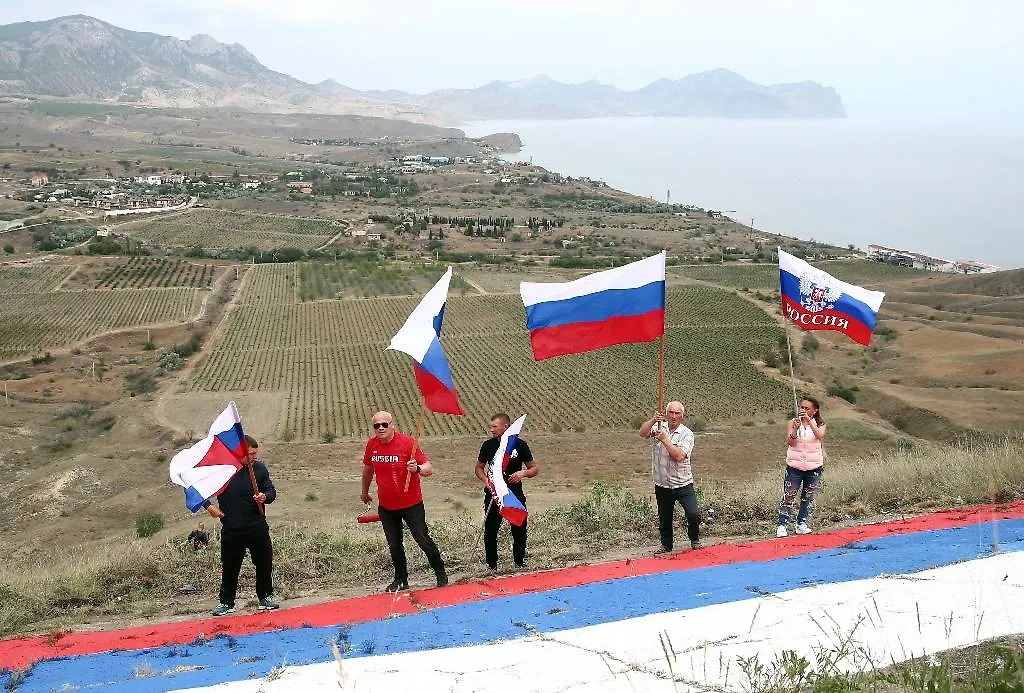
(603, 633)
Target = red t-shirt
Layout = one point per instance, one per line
(388, 461)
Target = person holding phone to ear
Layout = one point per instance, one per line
(805, 462)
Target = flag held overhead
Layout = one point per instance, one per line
(510, 507)
(617, 306)
(420, 339)
(204, 469)
(815, 300)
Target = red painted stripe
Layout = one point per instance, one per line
(19, 652)
(580, 337)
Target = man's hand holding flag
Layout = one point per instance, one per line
(510, 507)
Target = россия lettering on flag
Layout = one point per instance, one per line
(815, 300)
(204, 469)
(615, 306)
(510, 507)
(420, 339)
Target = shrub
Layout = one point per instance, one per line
(287, 435)
(811, 343)
(148, 524)
(843, 392)
(327, 438)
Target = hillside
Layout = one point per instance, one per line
(81, 57)
(84, 58)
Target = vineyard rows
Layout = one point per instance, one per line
(365, 278)
(151, 272)
(36, 322)
(329, 358)
(211, 228)
(766, 276)
(32, 280)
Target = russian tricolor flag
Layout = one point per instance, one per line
(510, 507)
(204, 469)
(420, 338)
(815, 300)
(616, 306)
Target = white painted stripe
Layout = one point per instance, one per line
(631, 276)
(874, 622)
(799, 268)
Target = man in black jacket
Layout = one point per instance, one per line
(244, 526)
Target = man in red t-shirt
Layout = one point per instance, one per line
(389, 457)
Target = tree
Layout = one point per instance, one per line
(8, 248)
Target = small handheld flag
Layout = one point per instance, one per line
(510, 507)
(815, 300)
(616, 306)
(204, 469)
(420, 339)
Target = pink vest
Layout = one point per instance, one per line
(805, 453)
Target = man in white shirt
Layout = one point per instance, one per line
(673, 475)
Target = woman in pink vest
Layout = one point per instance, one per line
(805, 461)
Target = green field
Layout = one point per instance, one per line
(212, 229)
(740, 275)
(368, 278)
(152, 272)
(328, 359)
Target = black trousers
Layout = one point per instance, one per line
(233, 543)
(492, 523)
(416, 519)
(667, 499)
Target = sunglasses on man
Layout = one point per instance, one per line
(381, 424)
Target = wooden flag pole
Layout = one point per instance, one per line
(661, 373)
(415, 441)
(255, 486)
(792, 372)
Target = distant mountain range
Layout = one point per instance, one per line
(80, 57)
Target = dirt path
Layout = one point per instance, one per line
(479, 289)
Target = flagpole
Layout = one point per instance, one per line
(415, 441)
(661, 372)
(256, 488)
(792, 373)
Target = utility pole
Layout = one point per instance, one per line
(668, 197)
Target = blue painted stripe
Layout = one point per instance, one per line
(486, 621)
(857, 310)
(597, 306)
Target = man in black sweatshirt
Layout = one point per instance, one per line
(244, 526)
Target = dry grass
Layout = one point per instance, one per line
(136, 578)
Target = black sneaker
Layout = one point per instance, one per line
(696, 545)
(223, 610)
(661, 550)
(268, 604)
(442, 578)
(397, 586)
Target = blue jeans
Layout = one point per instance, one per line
(796, 478)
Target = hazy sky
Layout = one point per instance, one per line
(951, 56)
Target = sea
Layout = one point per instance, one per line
(951, 188)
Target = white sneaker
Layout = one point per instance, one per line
(781, 531)
(802, 528)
